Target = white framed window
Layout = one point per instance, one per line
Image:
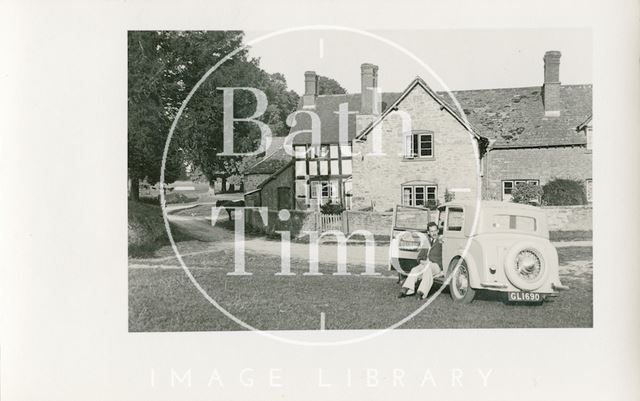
(588, 189)
(419, 195)
(509, 185)
(418, 144)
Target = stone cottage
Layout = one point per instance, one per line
(417, 147)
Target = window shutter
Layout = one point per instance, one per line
(408, 146)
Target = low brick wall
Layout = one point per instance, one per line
(298, 222)
(569, 218)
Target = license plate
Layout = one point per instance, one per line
(524, 297)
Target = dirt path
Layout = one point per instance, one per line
(214, 239)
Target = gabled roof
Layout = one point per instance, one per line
(511, 117)
(417, 81)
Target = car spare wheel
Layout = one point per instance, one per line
(460, 285)
(525, 266)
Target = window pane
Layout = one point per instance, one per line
(419, 196)
(325, 189)
(431, 193)
(414, 148)
(507, 187)
(313, 167)
(502, 222)
(345, 150)
(455, 218)
(346, 167)
(315, 186)
(324, 151)
(426, 149)
(301, 168)
(324, 167)
(334, 151)
(407, 195)
(334, 167)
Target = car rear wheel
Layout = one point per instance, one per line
(460, 285)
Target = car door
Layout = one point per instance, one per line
(453, 233)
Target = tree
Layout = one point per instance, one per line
(526, 193)
(329, 86)
(163, 68)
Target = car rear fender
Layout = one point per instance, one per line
(472, 267)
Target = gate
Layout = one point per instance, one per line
(335, 222)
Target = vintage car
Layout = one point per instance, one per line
(498, 246)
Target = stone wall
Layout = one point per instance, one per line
(559, 218)
(377, 179)
(569, 218)
(542, 164)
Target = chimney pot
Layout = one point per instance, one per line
(551, 87)
(310, 89)
(369, 99)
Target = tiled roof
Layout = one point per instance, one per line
(513, 117)
(327, 107)
(275, 158)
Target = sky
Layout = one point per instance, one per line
(462, 59)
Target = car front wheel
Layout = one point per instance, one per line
(460, 285)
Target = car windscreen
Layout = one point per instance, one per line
(413, 218)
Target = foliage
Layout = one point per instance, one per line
(432, 204)
(332, 208)
(526, 193)
(563, 192)
(449, 196)
(329, 86)
(163, 69)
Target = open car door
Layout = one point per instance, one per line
(408, 235)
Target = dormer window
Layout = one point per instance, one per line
(418, 144)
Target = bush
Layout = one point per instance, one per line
(332, 208)
(449, 196)
(564, 192)
(527, 193)
(432, 205)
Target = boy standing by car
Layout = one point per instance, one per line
(429, 262)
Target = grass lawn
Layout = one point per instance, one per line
(165, 300)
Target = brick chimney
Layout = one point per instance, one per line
(369, 85)
(310, 89)
(551, 87)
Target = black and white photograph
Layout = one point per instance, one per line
(323, 209)
(298, 200)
